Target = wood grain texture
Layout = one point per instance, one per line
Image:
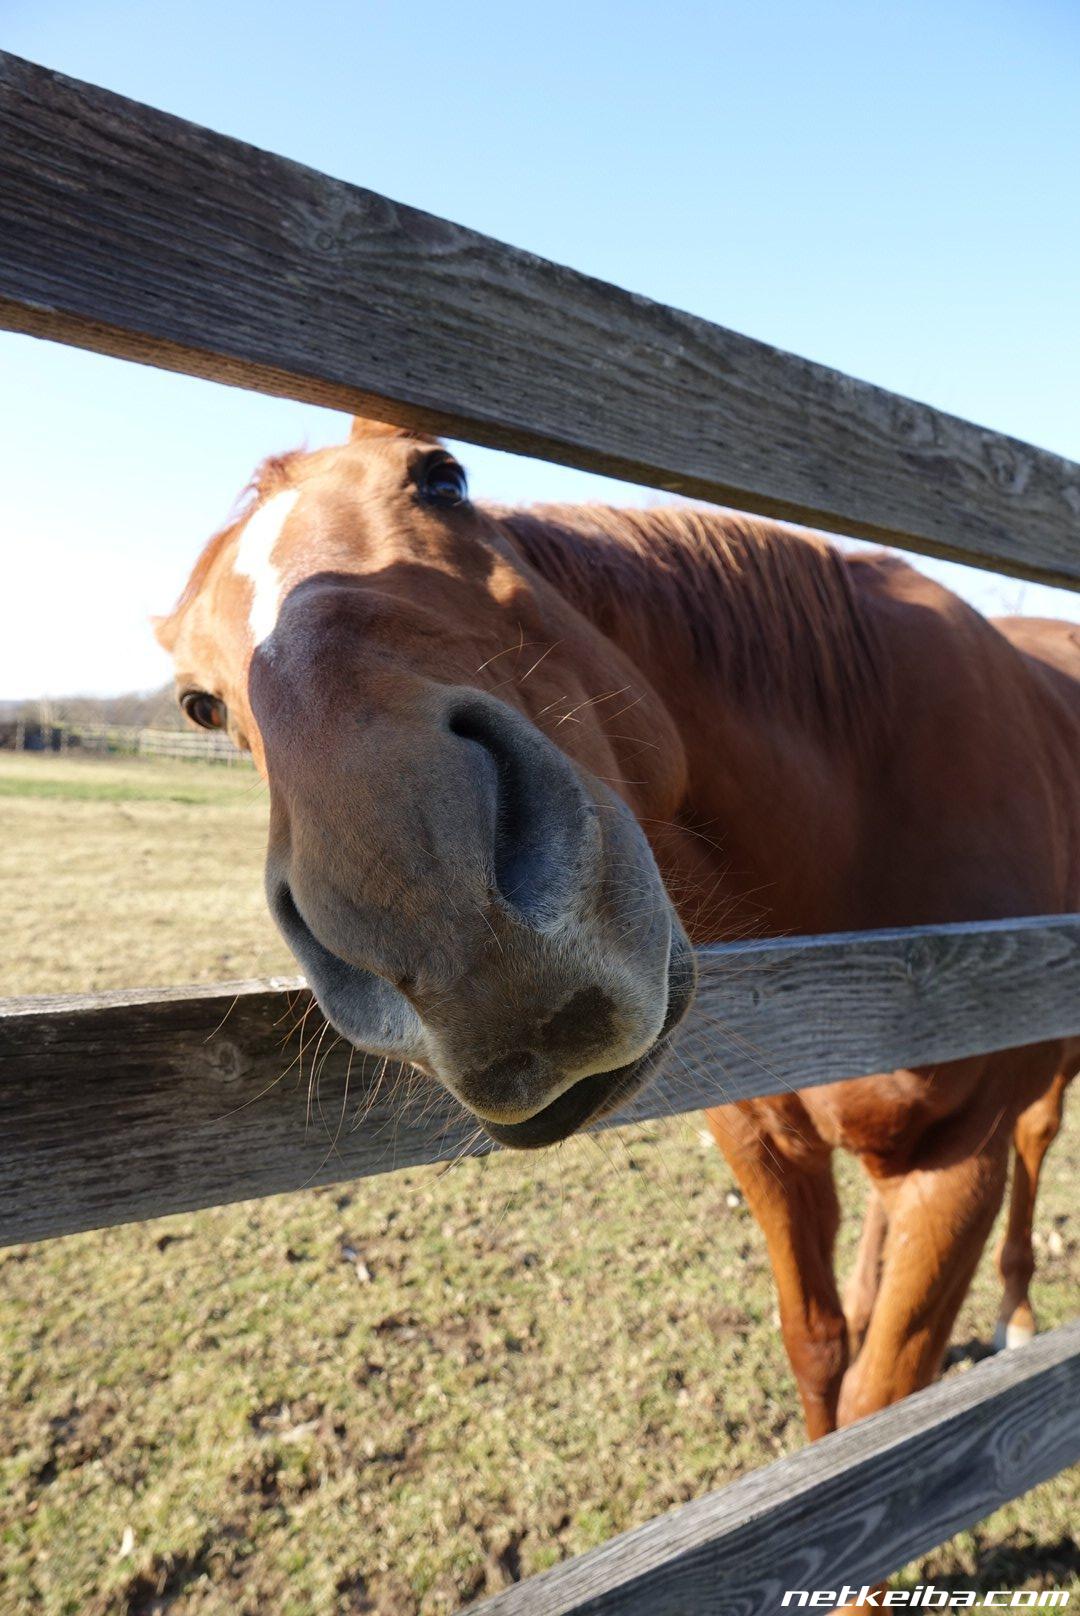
(137, 234)
(850, 1508)
(122, 1106)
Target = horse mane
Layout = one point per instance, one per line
(773, 612)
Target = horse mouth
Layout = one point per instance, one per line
(604, 1092)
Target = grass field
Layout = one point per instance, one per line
(394, 1398)
(131, 872)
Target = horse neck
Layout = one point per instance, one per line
(754, 640)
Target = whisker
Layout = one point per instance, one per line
(540, 659)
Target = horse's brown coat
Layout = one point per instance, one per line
(811, 742)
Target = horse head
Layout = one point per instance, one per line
(459, 766)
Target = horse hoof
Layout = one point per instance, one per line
(1011, 1335)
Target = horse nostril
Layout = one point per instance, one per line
(370, 1009)
(514, 850)
(539, 810)
(283, 906)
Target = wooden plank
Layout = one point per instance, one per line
(850, 1508)
(122, 1106)
(135, 233)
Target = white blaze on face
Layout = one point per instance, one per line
(254, 560)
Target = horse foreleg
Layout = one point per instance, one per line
(861, 1290)
(940, 1212)
(1035, 1131)
(785, 1172)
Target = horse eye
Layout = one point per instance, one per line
(203, 709)
(443, 482)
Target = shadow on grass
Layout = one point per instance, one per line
(969, 1352)
(1013, 1564)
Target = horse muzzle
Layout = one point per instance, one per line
(479, 907)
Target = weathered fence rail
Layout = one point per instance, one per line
(137, 234)
(849, 1509)
(119, 1106)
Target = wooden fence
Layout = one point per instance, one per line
(198, 746)
(136, 234)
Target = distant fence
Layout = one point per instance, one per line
(198, 745)
(134, 233)
(130, 739)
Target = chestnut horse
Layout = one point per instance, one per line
(520, 761)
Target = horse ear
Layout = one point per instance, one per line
(364, 427)
(164, 631)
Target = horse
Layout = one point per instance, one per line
(521, 761)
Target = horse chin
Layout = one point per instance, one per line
(604, 1092)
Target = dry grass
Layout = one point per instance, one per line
(393, 1399)
(137, 873)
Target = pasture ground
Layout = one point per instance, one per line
(395, 1397)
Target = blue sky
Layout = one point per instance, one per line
(891, 189)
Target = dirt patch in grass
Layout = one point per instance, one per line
(399, 1397)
